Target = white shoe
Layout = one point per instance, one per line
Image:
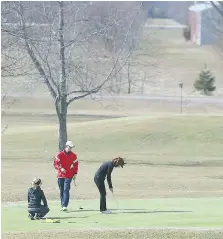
(106, 212)
(64, 209)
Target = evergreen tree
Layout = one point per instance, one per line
(205, 82)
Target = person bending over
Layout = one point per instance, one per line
(104, 171)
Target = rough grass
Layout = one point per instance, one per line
(171, 156)
(30, 109)
(168, 140)
(122, 234)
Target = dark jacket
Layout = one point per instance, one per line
(35, 196)
(105, 170)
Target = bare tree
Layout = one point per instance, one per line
(74, 47)
(218, 6)
(214, 24)
(140, 67)
(6, 104)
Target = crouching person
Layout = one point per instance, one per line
(35, 197)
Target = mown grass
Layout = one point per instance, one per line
(200, 212)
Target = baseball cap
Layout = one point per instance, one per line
(37, 181)
(70, 144)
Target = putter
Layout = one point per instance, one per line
(116, 202)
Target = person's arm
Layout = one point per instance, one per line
(44, 199)
(74, 166)
(110, 169)
(28, 197)
(57, 164)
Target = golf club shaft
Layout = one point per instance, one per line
(116, 201)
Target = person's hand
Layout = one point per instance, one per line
(111, 189)
(74, 179)
(63, 170)
(74, 182)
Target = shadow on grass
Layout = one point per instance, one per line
(116, 211)
(66, 217)
(134, 212)
(96, 210)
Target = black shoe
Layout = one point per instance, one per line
(31, 217)
(37, 216)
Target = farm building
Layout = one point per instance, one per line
(203, 21)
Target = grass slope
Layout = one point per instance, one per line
(166, 140)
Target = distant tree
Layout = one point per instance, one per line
(205, 82)
(186, 33)
(214, 25)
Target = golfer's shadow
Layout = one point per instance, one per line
(97, 210)
(133, 211)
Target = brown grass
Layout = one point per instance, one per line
(122, 234)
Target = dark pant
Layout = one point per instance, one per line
(64, 186)
(101, 187)
(42, 211)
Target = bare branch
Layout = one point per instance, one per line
(62, 53)
(219, 9)
(4, 129)
(4, 111)
(96, 89)
(32, 55)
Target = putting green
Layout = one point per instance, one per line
(161, 212)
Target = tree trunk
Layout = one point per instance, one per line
(62, 131)
(143, 82)
(129, 80)
(62, 109)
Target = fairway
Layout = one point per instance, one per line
(171, 186)
(180, 212)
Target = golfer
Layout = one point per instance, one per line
(35, 196)
(99, 178)
(66, 164)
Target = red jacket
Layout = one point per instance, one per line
(67, 161)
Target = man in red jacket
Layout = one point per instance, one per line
(66, 164)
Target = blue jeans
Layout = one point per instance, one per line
(64, 186)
